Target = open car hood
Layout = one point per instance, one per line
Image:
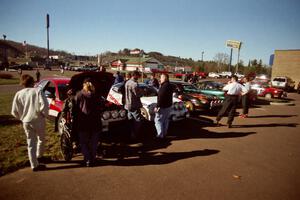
(101, 80)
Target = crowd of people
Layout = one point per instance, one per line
(82, 112)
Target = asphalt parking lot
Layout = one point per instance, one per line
(257, 159)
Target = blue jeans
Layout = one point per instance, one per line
(137, 118)
(89, 142)
(162, 121)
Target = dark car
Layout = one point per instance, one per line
(56, 92)
(21, 67)
(193, 97)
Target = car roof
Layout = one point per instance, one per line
(180, 82)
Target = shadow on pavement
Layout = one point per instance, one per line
(191, 130)
(8, 120)
(149, 158)
(272, 116)
(139, 154)
(266, 125)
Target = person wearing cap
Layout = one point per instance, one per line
(31, 107)
(88, 121)
(234, 90)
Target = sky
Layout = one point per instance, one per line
(182, 28)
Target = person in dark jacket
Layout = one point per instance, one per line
(153, 81)
(118, 78)
(163, 107)
(88, 121)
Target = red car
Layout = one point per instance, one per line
(265, 90)
(55, 90)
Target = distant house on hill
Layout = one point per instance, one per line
(145, 64)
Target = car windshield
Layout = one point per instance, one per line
(62, 91)
(211, 86)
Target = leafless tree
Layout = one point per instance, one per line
(221, 59)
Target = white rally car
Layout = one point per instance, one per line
(149, 101)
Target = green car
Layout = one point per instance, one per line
(211, 88)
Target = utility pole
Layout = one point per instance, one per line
(48, 25)
(5, 60)
(238, 59)
(230, 59)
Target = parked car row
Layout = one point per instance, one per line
(187, 98)
(21, 67)
(83, 68)
(224, 74)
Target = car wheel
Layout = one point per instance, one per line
(144, 113)
(189, 105)
(66, 146)
(268, 96)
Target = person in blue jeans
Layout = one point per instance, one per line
(88, 121)
(163, 107)
(133, 104)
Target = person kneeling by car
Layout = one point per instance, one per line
(163, 107)
(69, 116)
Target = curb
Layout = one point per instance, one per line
(288, 103)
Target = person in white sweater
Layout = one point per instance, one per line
(31, 107)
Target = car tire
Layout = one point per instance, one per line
(268, 96)
(66, 147)
(144, 113)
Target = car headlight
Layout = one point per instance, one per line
(204, 101)
(106, 115)
(114, 114)
(122, 113)
(195, 101)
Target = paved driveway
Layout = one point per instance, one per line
(257, 159)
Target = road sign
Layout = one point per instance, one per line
(233, 44)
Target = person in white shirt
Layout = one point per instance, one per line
(234, 90)
(31, 107)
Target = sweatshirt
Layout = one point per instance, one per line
(29, 104)
(165, 95)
